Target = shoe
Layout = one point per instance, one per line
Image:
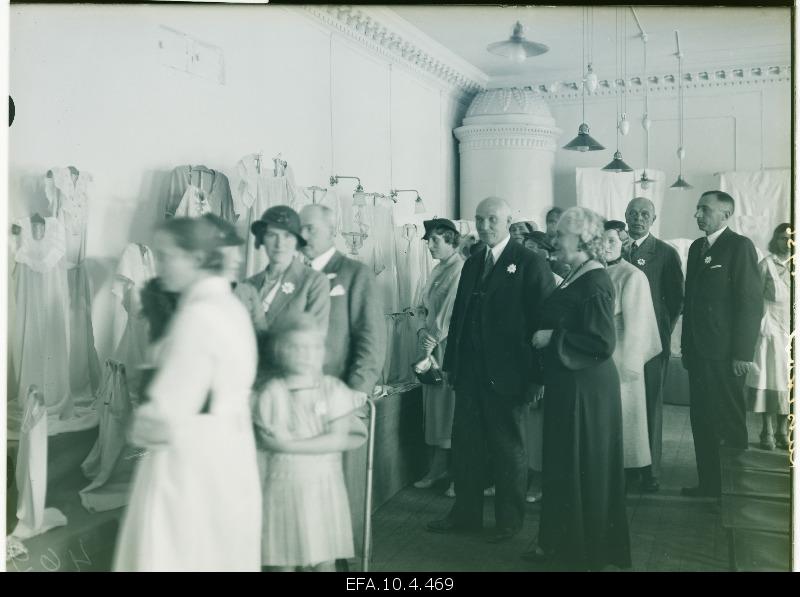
(451, 491)
(781, 442)
(650, 485)
(502, 535)
(698, 492)
(489, 491)
(536, 554)
(766, 442)
(447, 525)
(532, 499)
(428, 482)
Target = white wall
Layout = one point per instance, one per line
(726, 128)
(90, 91)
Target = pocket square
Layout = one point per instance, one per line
(331, 276)
(337, 290)
(714, 266)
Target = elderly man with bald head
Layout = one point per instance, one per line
(490, 363)
(662, 266)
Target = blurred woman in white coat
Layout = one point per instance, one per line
(196, 496)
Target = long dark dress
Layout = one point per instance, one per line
(583, 520)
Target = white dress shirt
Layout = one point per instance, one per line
(638, 242)
(498, 249)
(715, 235)
(320, 261)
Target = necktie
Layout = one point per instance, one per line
(632, 250)
(704, 247)
(488, 265)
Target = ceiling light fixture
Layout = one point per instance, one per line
(680, 183)
(584, 141)
(623, 126)
(516, 47)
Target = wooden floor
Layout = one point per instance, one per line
(668, 532)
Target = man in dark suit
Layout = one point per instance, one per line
(489, 362)
(721, 320)
(662, 266)
(355, 346)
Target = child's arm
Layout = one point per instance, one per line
(346, 433)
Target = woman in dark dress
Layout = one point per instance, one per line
(583, 523)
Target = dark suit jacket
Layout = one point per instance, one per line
(723, 304)
(662, 266)
(511, 302)
(303, 290)
(356, 345)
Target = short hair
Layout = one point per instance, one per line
(199, 235)
(773, 243)
(614, 225)
(722, 197)
(269, 364)
(158, 307)
(557, 211)
(450, 236)
(588, 226)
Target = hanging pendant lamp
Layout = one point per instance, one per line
(618, 164)
(681, 182)
(584, 141)
(516, 47)
(644, 180)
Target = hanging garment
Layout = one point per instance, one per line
(260, 187)
(638, 341)
(763, 201)
(194, 203)
(376, 221)
(319, 196)
(608, 193)
(403, 341)
(214, 185)
(40, 345)
(109, 464)
(414, 265)
(768, 381)
(136, 267)
(31, 474)
(67, 192)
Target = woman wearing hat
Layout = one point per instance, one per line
(539, 242)
(287, 286)
(195, 426)
(438, 299)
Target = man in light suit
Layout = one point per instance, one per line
(662, 266)
(489, 360)
(355, 346)
(721, 321)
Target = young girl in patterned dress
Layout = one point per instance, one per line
(304, 421)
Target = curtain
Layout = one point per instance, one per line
(762, 202)
(608, 193)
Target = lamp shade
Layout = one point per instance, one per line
(618, 164)
(516, 47)
(681, 184)
(584, 141)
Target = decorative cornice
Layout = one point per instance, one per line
(507, 136)
(665, 83)
(375, 35)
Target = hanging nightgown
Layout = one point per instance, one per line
(185, 197)
(111, 461)
(262, 184)
(136, 267)
(40, 345)
(31, 475)
(319, 196)
(67, 193)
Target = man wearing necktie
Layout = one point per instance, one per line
(489, 362)
(721, 320)
(662, 266)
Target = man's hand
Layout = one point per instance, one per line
(740, 367)
(541, 339)
(534, 393)
(426, 342)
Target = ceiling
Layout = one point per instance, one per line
(710, 37)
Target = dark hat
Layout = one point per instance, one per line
(437, 223)
(227, 231)
(282, 217)
(541, 239)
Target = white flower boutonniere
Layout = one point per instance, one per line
(640, 261)
(511, 269)
(287, 288)
(707, 259)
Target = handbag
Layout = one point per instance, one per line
(428, 371)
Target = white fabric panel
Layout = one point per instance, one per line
(762, 202)
(608, 193)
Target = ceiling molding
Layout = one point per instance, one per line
(666, 83)
(384, 34)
